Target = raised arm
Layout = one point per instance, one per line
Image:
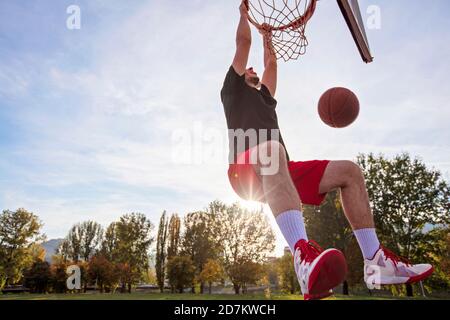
(243, 41)
(270, 62)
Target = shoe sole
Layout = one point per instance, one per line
(387, 281)
(309, 297)
(422, 276)
(329, 272)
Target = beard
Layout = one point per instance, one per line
(254, 81)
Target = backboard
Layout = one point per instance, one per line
(352, 14)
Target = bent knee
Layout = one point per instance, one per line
(352, 170)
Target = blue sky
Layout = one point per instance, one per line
(87, 116)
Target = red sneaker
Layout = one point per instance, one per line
(318, 271)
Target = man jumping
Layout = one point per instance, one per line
(257, 147)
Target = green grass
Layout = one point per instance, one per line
(186, 296)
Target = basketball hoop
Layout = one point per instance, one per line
(287, 20)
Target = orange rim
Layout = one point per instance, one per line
(302, 20)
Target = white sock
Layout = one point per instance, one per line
(292, 226)
(368, 242)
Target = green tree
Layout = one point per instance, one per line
(197, 242)
(180, 272)
(37, 252)
(437, 249)
(109, 247)
(445, 257)
(212, 272)
(161, 252)
(244, 272)
(328, 226)
(38, 277)
(126, 244)
(82, 241)
(19, 230)
(133, 243)
(288, 277)
(174, 236)
(270, 269)
(244, 239)
(406, 196)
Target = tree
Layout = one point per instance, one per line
(437, 249)
(406, 197)
(37, 252)
(102, 273)
(197, 241)
(244, 239)
(126, 244)
(82, 241)
(38, 277)
(161, 252)
(109, 247)
(244, 272)
(445, 258)
(328, 225)
(288, 277)
(63, 251)
(19, 230)
(180, 272)
(174, 236)
(270, 270)
(133, 243)
(212, 272)
(58, 274)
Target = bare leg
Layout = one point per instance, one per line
(347, 176)
(279, 189)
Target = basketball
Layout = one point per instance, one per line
(338, 107)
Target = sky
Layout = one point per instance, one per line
(124, 114)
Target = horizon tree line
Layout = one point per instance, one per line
(227, 244)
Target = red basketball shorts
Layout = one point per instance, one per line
(306, 176)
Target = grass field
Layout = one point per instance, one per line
(165, 296)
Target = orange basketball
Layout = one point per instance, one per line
(338, 107)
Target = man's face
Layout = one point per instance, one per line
(251, 78)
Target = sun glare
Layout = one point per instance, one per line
(250, 205)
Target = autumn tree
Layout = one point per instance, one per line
(19, 231)
(406, 197)
(161, 252)
(212, 272)
(180, 272)
(58, 274)
(244, 239)
(103, 273)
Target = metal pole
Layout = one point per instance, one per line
(423, 291)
